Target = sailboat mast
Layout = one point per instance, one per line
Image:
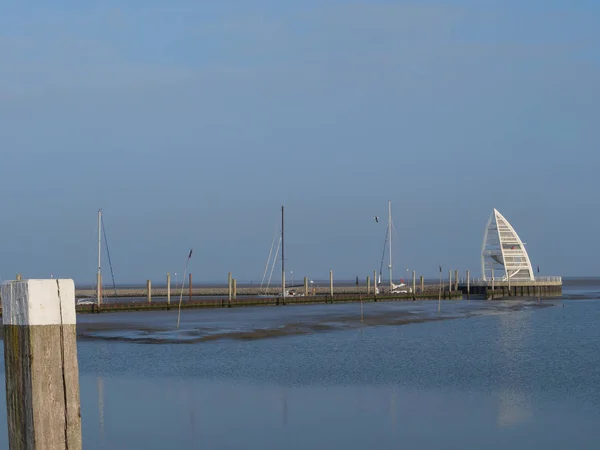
(99, 276)
(282, 258)
(390, 238)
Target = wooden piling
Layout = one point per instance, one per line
(234, 287)
(449, 281)
(375, 285)
(229, 287)
(40, 357)
(468, 285)
(414, 286)
(422, 284)
(190, 287)
(331, 284)
(456, 280)
(149, 291)
(168, 290)
(305, 286)
(368, 285)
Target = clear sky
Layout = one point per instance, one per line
(190, 123)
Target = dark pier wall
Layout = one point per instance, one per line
(503, 291)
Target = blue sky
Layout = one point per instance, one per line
(191, 123)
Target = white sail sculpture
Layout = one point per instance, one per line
(503, 254)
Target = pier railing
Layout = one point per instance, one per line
(539, 281)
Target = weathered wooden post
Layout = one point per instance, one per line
(368, 285)
(375, 285)
(414, 287)
(149, 291)
(168, 290)
(456, 280)
(449, 283)
(40, 359)
(468, 285)
(305, 286)
(422, 284)
(234, 286)
(229, 286)
(331, 284)
(190, 287)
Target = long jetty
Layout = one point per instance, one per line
(165, 297)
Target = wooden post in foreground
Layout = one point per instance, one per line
(190, 287)
(422, 284)
(449, 283)
(414, 284)
(40, 358)
(168, 290)
(368, 285)
(305, 286)
(234, 287)
(149, 291)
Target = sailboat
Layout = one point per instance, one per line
(393, 288)
(281, 244)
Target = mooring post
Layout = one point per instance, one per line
(234, 287)
(456, 280)
(375, 285)
(168, 290)
(190, 287)
(422, 284)
(368, 285)
(229, 287)
(149, 291)
(449, 283)
(468, 285)
(414, 284)
(305, 286)
(40, 359)
(331, 284)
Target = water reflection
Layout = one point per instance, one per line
(514, 406)
(101, 405)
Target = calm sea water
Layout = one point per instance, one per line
(499, 375)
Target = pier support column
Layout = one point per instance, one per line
(40, 358)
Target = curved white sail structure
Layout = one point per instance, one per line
(503, 255)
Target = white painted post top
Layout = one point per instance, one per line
(38, 302)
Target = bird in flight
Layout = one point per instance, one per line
(376, 218)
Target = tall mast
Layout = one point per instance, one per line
(98, 278)
(390, 238)
(282, 258)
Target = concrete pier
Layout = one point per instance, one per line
(497, 289)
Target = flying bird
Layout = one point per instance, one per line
(376, 218)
